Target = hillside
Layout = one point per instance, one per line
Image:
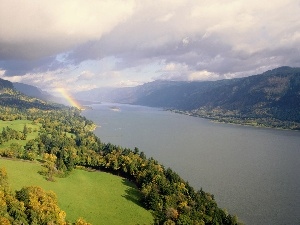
(32, 91)
(269, 99)
(5, 84)
(63, 142)
(99, 192)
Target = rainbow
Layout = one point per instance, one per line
(68, 97)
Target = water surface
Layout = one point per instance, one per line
(252, 172)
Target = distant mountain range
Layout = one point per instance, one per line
(35, 92)
(279, 87)
(32, 91)
(268, 99)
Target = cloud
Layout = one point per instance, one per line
(2, 72)
(34, 29)
(165, 17)
(45, 80)
(217, 36)
(202, 75)
(182, 72)
(86, 75)
(201, 39)
(129, 83)
(21, 67)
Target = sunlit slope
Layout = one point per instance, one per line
(100, 198)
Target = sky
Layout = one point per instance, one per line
(83, 44)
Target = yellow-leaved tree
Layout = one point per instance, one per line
(50, 160)
(41, 206)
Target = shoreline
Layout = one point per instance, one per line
(236, 122)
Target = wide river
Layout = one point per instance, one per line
(253, 172)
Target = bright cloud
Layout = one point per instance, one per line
(112, 43)
(34, 29)
(202, 75)
(86, 75)
(129, 83)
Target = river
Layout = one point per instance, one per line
(253, 172)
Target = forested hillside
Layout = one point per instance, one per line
(65, 141)
(32, 91)
(5, 84)
(270, 99)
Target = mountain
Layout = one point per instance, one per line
(276, 88)
(5, 84)
(129, 95)
(32, 91)
(12, 100)
(269, 99)
(35, 92)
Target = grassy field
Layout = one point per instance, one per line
(19, 125)
(98, 197)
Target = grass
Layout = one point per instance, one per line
(98, 197)
(19, 125)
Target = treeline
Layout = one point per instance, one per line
(30, 206)
(66, 141)
(12, 98)
(268, 117)
(8, 134)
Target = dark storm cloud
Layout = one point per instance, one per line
(21, 67)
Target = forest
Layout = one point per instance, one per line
(270, 99)
(65, 141)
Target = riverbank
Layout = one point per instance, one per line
(263, 122)
(251, 172)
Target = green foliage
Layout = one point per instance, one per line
(98, 197)
(41, 207)
(171, 199)
(12, 139)
(3, 178)
(49, 164)
(30, 205)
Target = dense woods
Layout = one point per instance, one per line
(65, 141)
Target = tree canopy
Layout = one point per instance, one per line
(65, 140)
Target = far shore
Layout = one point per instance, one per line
(236, 122)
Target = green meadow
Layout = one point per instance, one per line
(98, 197)
(19, 125)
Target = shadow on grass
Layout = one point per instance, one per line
(132, 193)
(40, 160)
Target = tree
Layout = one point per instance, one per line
(31, 150)
(42, 207)
(4, 135)
(49, 164)
(4, 221)
(25, 132)
(3, 178)
(81, 221)
(16, 150)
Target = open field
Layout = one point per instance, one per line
(19, 125)
(98, 197)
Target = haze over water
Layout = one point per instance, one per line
(252, 172)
